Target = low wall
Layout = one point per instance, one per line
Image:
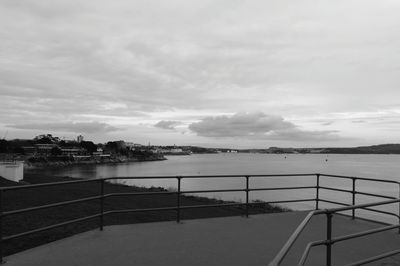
(13, 171)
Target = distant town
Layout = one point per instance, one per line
(49, 149)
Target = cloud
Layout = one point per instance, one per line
(327, 123)
(239, 125)
(256, 126)
(164, 124)
(77, 127)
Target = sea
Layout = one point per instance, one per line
(366, 165)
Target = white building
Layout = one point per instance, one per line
(172, 150)
(12, 170)
(132, 145)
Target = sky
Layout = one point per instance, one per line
(213, 73)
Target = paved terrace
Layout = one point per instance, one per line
(214, 241)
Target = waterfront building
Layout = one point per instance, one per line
(29, 150)
(71, 151)
(44, 149)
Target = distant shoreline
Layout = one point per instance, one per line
(61, 164)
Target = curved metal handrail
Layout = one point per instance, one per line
(289, 243)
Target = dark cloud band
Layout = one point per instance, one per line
(76, 127)
(167, 124)
(256, 126)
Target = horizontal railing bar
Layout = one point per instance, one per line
(58, 204)
(140, 210)
(375, 195)
(357, 192)
(213, 205)
(281, 188)
(282, 175)
(284, 201)
(336, 189)
(144, 177)
(205, 176)
(333, 210)
(379, 211)
(362, 178)
(375, 258)
(364, 208)
(364, 233)
(214, 190)
(51, 227)
(361, 193)
(140, 193)
(335, 202)
(241, 190)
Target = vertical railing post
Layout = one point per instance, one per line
(399, 209)
(178, 201)
(329, 239)
(102, 204)
(247, 196)
(317, 194)
(353, 192)
(1, 226)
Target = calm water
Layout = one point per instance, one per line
(370, 166)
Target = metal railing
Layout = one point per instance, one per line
(329, 241)
(178, 207)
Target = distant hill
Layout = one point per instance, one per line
(375, 149)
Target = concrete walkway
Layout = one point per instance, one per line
(214, 241)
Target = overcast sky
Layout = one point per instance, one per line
(224, 73)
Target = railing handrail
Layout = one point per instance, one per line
(359, 206)
(191, 177)
(362, 178)
(293, 237)
(289, 243)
